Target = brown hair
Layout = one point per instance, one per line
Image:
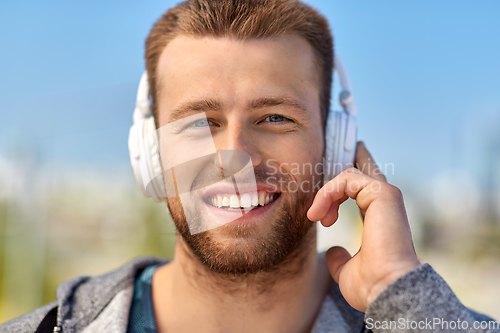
(244, 19)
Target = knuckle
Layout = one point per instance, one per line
(351, 170)
(393, 190)
(386, 189)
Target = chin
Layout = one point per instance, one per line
(259, 240)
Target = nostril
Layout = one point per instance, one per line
(233, 161)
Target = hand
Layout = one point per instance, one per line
(386, 251)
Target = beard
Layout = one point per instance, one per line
(242, 251)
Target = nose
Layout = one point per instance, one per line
(235, 139)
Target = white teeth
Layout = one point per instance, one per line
(246, 201)
(234, 202)
(262, 199)
(255, 199)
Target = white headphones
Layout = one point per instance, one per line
(340, 138)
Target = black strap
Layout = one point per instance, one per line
(48, 322)
(366, 330)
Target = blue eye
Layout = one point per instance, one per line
(275, 118)
(200, 123)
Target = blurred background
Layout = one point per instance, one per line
(425, 77)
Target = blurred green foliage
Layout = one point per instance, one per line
(74, 231)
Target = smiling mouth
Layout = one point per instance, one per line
(240, 201)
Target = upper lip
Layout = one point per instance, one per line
(230, 188)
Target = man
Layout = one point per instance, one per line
(260, 72)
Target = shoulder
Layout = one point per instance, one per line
(83, 298)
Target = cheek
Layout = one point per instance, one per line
(298, 155)
(309, 146)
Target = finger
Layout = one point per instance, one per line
(332, 215)
(348, 183)
(325, 211)
(365, 162)
(336, 257)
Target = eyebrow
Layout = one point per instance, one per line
(204, 105)
(195, 107)
(275, 101)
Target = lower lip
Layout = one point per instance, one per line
(235, 216)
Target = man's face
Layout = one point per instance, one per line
(261, 97)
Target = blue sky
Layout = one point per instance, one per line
(424, 74)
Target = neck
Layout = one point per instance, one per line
(289, 296)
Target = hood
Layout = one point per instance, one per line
(82, 299)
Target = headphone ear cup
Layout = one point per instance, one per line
(331, 145)
(135, 155)
(338, 154)
(152, 159)
(145, 158)
(342, 158)
(348, 147)
(339, 165)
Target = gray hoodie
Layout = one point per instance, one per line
(419, 301)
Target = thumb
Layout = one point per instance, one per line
(336, 257)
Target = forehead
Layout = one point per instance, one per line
(232, 70)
